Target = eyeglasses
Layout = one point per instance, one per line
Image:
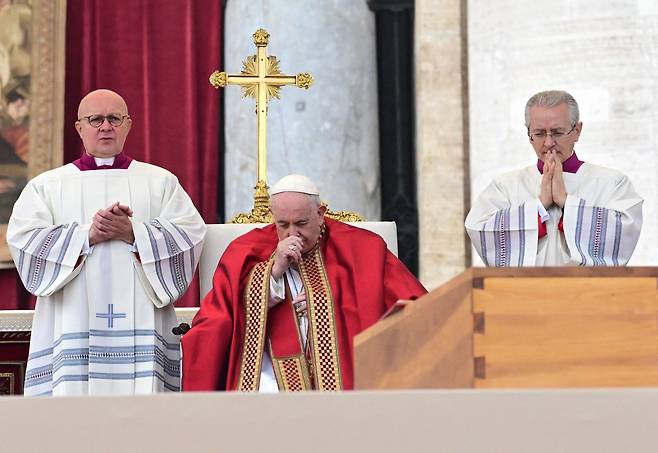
(97, 120)
(555, 134)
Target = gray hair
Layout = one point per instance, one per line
(316, 200)
(553, 98)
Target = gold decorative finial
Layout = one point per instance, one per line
(304, 80)
(261, 211)
(218, 79)
(261, 38)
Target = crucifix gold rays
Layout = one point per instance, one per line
(262, 80)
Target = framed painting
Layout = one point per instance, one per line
(32, 52)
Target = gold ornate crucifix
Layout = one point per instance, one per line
(261, 79)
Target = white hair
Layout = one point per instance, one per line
(553, 98)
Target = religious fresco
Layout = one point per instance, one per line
(32, 49)
(15, 57)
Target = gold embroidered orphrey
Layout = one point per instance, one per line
(262, 80)
(255, 298)
(293, 373)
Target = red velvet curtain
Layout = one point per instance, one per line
(158, 55)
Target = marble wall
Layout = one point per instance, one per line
(330, 131)
(441, 140)
(603, 53)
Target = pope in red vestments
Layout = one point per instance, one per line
(288, 299)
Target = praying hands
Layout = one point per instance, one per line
(112, 223)
(552, 183)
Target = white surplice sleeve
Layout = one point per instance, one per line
(169, 246)
(602, 230)
(503, 235)
(46, 255)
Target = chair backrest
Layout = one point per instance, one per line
(219, 237)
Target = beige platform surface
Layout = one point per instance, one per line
(621, 420)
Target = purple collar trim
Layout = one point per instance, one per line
(87, 162)
(571, 165)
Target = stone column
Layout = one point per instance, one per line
(442, 138)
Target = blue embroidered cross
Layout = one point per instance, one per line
(110, 315)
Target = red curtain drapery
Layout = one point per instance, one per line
(158, 56)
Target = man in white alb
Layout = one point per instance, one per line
(107, 244)
(562, 211)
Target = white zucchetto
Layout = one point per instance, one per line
(295, 183)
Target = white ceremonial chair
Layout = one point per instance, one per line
(219, 236)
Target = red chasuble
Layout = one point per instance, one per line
(350, 280)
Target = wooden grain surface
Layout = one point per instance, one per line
(524, 328)
(427, 345)
(568, 332)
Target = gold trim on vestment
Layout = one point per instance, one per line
(322, 322)
(291, 373)
(256, 296)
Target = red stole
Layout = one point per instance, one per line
(316, 368)
(289, 360)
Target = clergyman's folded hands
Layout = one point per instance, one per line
(112, 223)
(552, 189)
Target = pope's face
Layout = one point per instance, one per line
(105, 140)
(296, 214)
(550, 129)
